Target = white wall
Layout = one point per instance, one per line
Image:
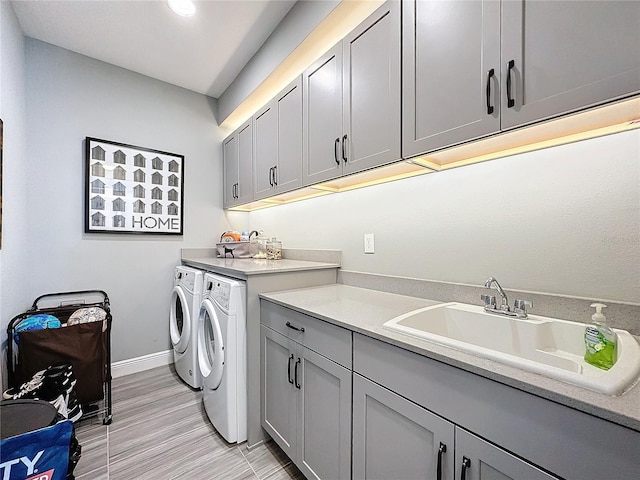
(70, 97)
(13, 255)
(563, 221)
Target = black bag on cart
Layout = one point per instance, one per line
(86, 346)
(80, 345)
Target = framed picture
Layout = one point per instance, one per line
(132, 189)
(1, 145)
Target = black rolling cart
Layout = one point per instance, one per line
(86, 346)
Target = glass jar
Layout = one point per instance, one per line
(259, 245)
(274, 249)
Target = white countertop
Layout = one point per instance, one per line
(245, 267)
(364, 311)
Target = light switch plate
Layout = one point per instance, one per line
(369, 243)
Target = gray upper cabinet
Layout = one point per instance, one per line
(265, 154)
(567, 55)
(474, 68)
(451, 73)
(277, 164)
(371, 91)
(230, 169)
(237, 152)
(352, 101)
(322, 118)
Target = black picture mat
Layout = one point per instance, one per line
(178, 221)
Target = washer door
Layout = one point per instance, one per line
(179, 320)
(210, 345)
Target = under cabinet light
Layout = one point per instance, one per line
(606, 120)
(596, 122)
(184, 8)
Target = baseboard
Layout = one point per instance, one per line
(140, 364)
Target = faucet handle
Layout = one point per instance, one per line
(522, 305)
(489, 301)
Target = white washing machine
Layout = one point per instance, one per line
(222, 355)
(185, 305)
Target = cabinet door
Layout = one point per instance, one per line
(567, 55)
(324, 422)
(230, 170)
(395, 438)
(482, 461)
(278, 391)
(371, 91)
(244, 191)
(322, 118)
(265, 153)
(451, 73)
(288, 104)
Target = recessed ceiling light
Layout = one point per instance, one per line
(184, 8)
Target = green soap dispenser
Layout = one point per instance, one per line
(600, 340)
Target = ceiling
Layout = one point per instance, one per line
(203, 53)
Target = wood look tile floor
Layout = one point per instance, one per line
(160, 431)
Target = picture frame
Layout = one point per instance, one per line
(1, 148)
(133, 190)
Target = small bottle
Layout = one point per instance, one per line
(600, 341)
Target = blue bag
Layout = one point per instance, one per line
(35, 322)
(39, 455)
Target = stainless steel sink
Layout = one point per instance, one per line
(548, 346)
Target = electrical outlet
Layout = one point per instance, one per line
(369, 243)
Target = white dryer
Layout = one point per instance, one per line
(185, 305)
(222, 355)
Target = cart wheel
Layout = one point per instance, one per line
(107, 420)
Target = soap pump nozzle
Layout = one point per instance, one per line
(598, 316)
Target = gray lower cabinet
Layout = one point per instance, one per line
(306, 406)
(480, 460)
(237, 158)
(515, 434)
(395, 438)
(352, 101)
(344, 405)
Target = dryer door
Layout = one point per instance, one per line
(179, 320)
(210, 346)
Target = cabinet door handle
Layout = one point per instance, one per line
(441, 449)
(271, 176)
(335, 150)
(293, 327)
(296, 373)
(489, 77)
(466, 463)
(275, 176)
(510, 101)
(234, 190)
(289, 369)
(344, 148)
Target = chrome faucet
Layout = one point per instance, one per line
(492, 282)
(520, 306)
